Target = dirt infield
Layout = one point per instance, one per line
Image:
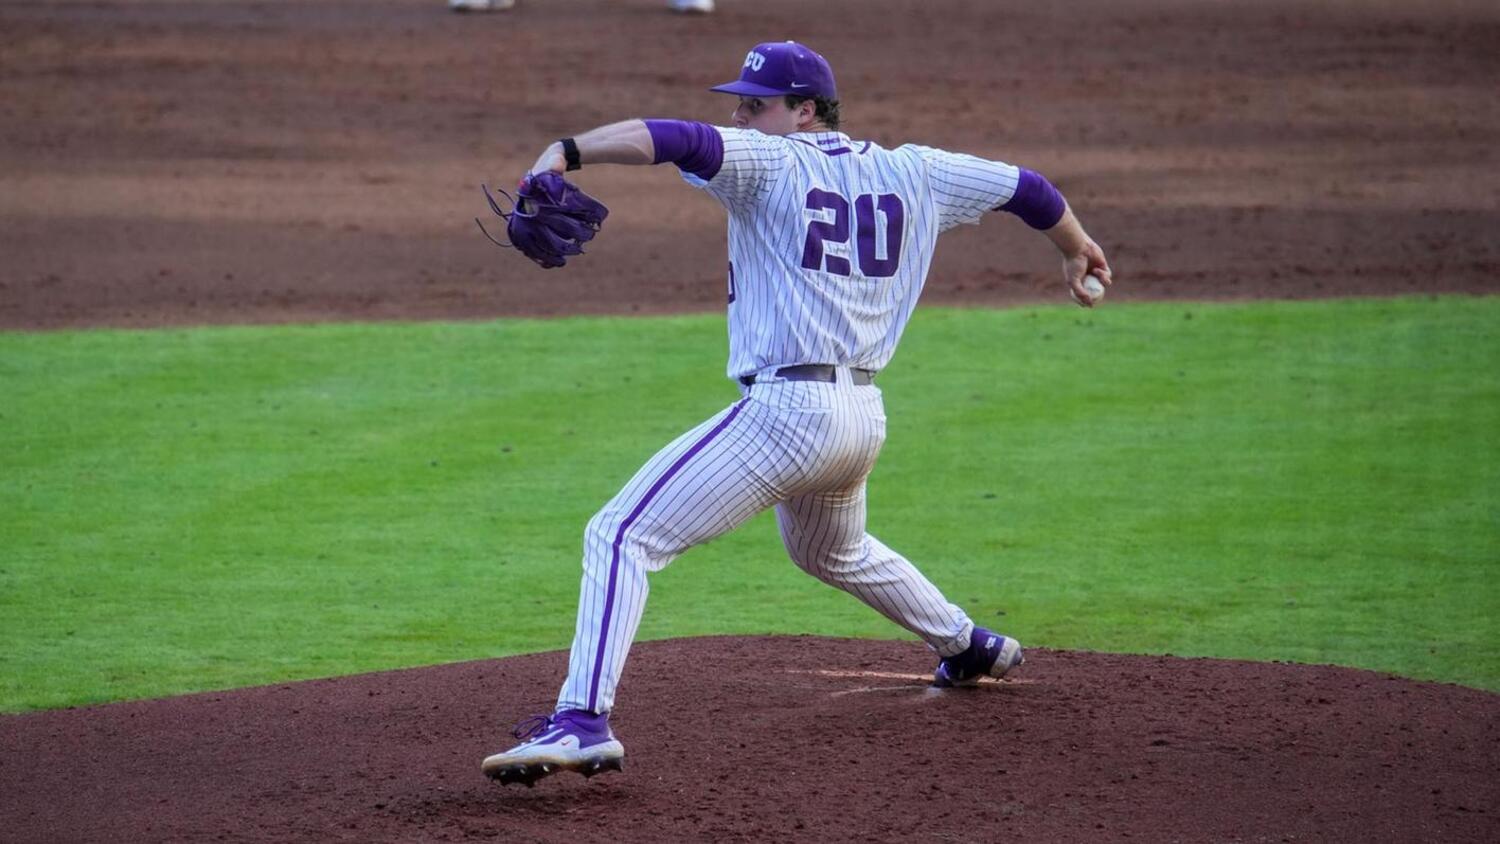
(167, 161)
(782, 739)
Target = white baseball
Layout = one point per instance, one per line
(1094, 287)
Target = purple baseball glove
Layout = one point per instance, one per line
(550, 218)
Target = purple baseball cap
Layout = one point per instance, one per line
(782, 67)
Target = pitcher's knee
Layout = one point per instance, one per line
(600, 534)
(825, 564)
(611, 537)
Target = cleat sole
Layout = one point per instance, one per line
(527, 773)
(598, 766)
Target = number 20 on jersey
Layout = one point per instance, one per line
(878, 225)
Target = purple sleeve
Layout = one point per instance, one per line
(697, 148)
(1035, 201)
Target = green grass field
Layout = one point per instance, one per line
(196, 509)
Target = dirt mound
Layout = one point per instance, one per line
(787, 739)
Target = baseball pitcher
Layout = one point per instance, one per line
(830, 241)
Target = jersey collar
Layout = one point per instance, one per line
(831, 143)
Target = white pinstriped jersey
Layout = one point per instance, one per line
(830, 240)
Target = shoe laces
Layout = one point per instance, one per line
(530, 728)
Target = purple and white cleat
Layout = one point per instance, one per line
(572, 740)
(989, 655)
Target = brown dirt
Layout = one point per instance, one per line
(165, 161)
(175, 162)
(786, 739)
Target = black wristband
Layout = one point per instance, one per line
(570, 153)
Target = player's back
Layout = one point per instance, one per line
(831, 239)
(881, 197)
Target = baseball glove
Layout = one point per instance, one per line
(550, 218)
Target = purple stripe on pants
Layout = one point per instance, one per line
(614, 563)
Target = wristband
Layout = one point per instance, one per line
(570, 153)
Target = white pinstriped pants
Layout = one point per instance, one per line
(805, 447)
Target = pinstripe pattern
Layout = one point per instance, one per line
(786, 314)
(802, 447)
(614, 563)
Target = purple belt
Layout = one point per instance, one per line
(816, 372)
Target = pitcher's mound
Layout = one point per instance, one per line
(785, 739)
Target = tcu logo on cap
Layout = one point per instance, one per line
(755, 61)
